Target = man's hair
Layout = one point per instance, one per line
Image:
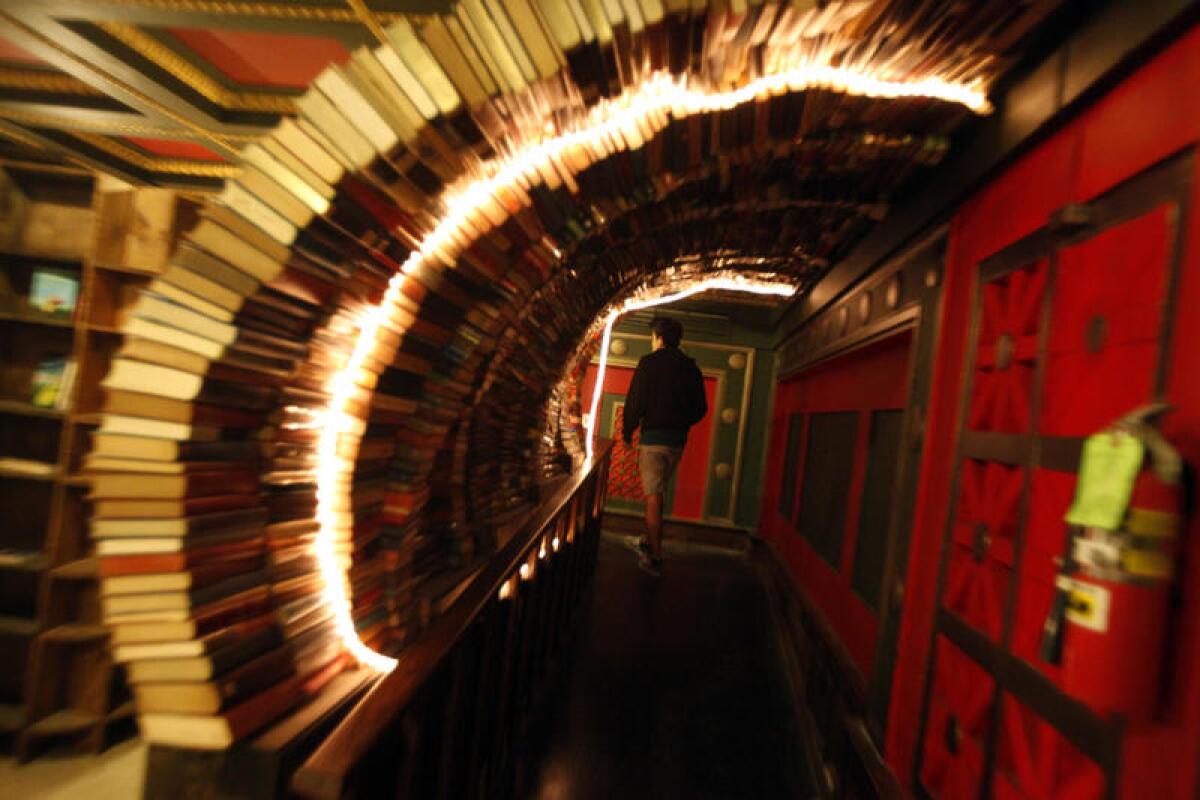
(669, 330)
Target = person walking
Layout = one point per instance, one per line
(665, 399)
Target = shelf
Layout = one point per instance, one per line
(75, 633)
(22, 408)
(88, 418)
(76, 480)
(22, 469)
(12, 717)
(107, 330)
(33, 318)
(17, 626)
(124, 711)
(62, 723)
(145, 273)
(23, 560)
(48, 167)
(30, 256)
(83, 569)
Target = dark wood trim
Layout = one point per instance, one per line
(908, 272)
(31, 27)
(811, 647)
(961, 409)
(19, 133)
(922, 353)
(1097, 738)
(181, 97)
(116, 166)
(864, 337)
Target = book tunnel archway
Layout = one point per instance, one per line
(393, 293)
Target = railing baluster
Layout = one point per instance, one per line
(506, 699)
(463, 670)
(450, 721)
(486, 703)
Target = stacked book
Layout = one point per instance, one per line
(246, 380)
(189, 551)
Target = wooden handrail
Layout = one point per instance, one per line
(326, 772)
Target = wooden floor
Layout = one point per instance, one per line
(677, 689)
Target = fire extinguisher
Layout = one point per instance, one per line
(1108, 624)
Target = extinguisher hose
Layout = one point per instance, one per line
(1050, 647)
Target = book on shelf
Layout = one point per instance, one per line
(17, 557)
(219, 731)
(54, 292)
(27, 466)
(196, 624)
(209, 410)
(191, 647)
(150, 449)
(194, 559)
(195, 577)
(153, 545)
(146, 350)
(134, 425)
(255, 597)
(114, 605)
(200, 482)
(210, 697)
(99, 463)
(139, 508)
(52, 382)
(208, 666)
(256, 257)
(246, 518)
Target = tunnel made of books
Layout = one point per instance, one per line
(348, 461)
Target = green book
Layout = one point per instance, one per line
(50, 384)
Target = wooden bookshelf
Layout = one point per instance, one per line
(58, 684)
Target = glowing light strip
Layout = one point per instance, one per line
(653, 100)
(475, 203)
(333, 472)
(728, 284)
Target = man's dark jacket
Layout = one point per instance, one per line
(666, 397)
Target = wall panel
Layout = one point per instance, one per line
(1110, 302)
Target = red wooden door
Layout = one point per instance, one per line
(1069, 335)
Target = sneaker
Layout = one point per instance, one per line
(638, 545)
(650, 566)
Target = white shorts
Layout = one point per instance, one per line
(657, 463)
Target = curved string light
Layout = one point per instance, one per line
(702, 285)
(473, 206)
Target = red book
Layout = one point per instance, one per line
(167, 487)
(219, 731)
(201, 622)
(179, 561)
(197, 577)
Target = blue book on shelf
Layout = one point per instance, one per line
(53, 292)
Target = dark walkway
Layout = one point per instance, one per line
(677, 690)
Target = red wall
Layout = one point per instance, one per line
(1150, 116)
(866, 380)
